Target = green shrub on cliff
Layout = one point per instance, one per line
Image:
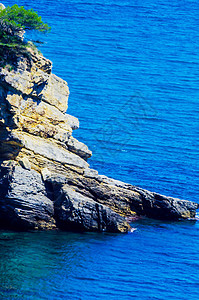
(14, 21)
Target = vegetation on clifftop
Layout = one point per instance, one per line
(14, 21)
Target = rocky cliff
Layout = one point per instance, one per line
(45, 180)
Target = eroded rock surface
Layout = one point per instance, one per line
(45, 180)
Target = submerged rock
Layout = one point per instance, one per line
(45, 180)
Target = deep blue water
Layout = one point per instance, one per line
(133, 73)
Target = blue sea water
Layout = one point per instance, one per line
(133, 73)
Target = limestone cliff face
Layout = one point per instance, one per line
(45, 180)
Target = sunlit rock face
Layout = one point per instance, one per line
(45, 179)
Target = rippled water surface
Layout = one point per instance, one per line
(133, 73)
(157, 261)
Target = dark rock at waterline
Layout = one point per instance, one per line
(27, 203)
(23, 199)
(77, 212)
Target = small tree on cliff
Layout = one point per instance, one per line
(14, 20)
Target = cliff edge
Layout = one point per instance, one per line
(45, 180)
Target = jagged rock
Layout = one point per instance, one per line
(91, 173)
(37, 117)
(40, 61)
(55, 92)
(34, 82)
(26, 203)
(45, 147)
(23, 199)
(45, 181)
(125, 199)
(19, 79)
(24, 162)
(79, 148)
(45, 173)
(74, 211)
(161, 207)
